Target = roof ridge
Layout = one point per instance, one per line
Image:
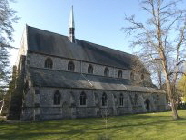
(59, 45)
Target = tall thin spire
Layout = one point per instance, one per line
(71, 26)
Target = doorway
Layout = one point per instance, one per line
(147, 104)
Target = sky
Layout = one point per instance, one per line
(97, 21)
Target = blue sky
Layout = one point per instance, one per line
(97, 21)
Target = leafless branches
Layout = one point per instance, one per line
(161, 40)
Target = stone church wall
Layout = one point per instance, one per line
(38, 60)
(39, 101)
(40, 105)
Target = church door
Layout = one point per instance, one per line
(147, 104)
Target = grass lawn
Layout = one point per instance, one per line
(157, 126)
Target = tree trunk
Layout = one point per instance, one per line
(1, 108)
(172, 101)
(174, 111)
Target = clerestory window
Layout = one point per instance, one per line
(71, 66)
(119, 73)
(106, 72)
(131, 76)
(142, 77)
(90, 69)
(48, 63)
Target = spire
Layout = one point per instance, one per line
(71, 19)
(71, 26)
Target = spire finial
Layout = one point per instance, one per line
(71, 26)
(71, 19)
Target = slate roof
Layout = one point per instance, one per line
(67, 79)
(49, 43)
(55, 44)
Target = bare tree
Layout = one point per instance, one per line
(105, 114)
(161, 38)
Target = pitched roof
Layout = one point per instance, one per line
(55, 44)
(73, 80)
(68, 79)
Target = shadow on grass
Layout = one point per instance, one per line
(137, 124)
(80, 127)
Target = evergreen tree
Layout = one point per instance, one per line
(7, 17)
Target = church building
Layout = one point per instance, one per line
(61, 77)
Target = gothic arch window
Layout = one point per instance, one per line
(119, 73)
(71, 66)
(104, 99)
(57, 97)
(48, 63)
(135, 99)
(142, 77)
(90, 69)
(83, 98)
(121, 100)
(131, 76)
(106, 72)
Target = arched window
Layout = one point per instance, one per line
(104, 99)
(90, 69)
(106, 72)
(135, 99)
(48, 63)
(82, 98)
(119, 73)
(131, 76)
(57, 97)
(121, 99)
(142, 77)
(71, 66)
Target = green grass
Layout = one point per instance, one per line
(150, 126)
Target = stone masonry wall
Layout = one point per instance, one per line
(38, 61)
(42, 107)
(39, 101)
